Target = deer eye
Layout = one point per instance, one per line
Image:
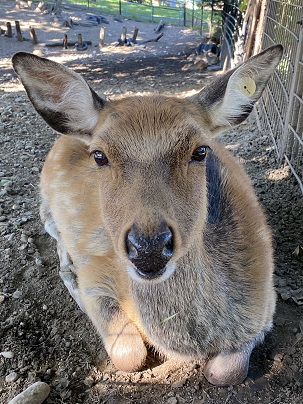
(199, 154)
(100, 158)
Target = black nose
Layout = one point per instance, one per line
(150, 254)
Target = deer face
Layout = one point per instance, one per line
(149, 154)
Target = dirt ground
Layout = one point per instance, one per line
(43, 334)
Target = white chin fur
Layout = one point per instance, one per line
(169, 270)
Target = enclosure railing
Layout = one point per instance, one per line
(281, 108)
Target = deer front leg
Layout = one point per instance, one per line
(231, 368)
(124, 344)
(67, 270)
(121, 338)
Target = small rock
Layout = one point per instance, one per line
(2, 298)
(280, 321)
(11, 378)
(24, 238)
(136, 377)
(172, 400)
(282, 282)
(34, 394)
(7, 354)
(89, 381)
(17, 294)
(38, 262)
(298, 253)
(26, 232)
(279, 357)
(285, 295)
(179, 383)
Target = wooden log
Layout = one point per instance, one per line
(160, 26)
(68, 23)
(135, 34)
(102, 37)
(18, 30)
(251, 19)
(57, 7)
(65, 42)
(72, 43)
(81, 45)
(80, 41)
(155, 39)
(9, 32)
(41, 6)
(33, 35)
(122, 40)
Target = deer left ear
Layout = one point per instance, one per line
(229, 99)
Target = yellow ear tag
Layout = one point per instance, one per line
(248, 86)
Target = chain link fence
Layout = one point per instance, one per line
(280, 110)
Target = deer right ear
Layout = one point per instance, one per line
(229, 99)
(61, 96)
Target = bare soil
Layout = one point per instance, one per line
(43, 334)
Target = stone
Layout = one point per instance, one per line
(179, 383)
(7, 354)
(34, 394)
(11, 377)
(17, 294)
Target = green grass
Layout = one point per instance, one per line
(144, 12)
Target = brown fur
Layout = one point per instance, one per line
(215, 299)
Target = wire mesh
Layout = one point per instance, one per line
(281, 108)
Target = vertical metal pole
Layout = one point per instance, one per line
(193, 14)
(120, 7)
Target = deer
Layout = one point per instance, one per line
(161, 239)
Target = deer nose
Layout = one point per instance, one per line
(150, 254)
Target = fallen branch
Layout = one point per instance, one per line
(72, 43)
(155, 39)
(160, 26)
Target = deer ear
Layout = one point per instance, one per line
(229, 99)
(61, 96)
